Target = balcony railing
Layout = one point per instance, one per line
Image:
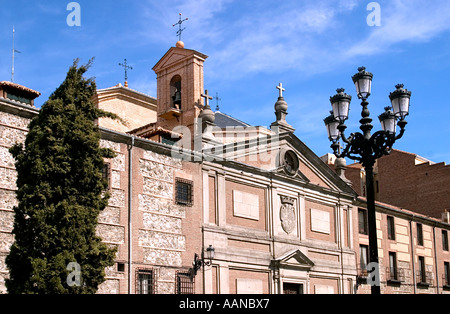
(424, 278)
(445, 281)
(395, 275)
(362, 274)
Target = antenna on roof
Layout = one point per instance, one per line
(14, 51)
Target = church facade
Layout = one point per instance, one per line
(203, 203)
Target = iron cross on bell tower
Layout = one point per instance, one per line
(180, 44)
(126, 67)
(180, 30)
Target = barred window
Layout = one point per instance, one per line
(185, 283)
(145, 282)
(184, 192)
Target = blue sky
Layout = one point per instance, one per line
(312, 47)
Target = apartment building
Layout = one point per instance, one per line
(413, 251)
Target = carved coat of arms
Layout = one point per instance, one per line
(287, 214)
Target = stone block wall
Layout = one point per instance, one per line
(13, 129)
(160, 234)
(158, 239)
(111, 227)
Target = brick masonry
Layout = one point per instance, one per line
(318, 249)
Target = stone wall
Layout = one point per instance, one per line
(13, 129)
(159, 233)
(160, 236)
(110, 228)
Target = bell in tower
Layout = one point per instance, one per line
(175, 87)
(177, 99)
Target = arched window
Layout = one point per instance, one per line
(175, 91)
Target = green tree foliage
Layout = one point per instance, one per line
(61, 192)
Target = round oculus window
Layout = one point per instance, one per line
(290, 162)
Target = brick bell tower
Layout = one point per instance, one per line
(180, 88)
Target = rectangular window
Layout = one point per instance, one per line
(393, 271)
(447, 274)
(145, 284)
(166, 139)
(444, 240)
(363, 257)
(422, 278)
(391, 227)
(184, 283)
(184, 192)
(362, 221)
(19, 98)
(419, 234)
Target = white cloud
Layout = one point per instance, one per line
(309, 37)
(159, 16)
(404, 21)
(347, 5)
(277, 39)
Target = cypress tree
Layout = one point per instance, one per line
(61, 192)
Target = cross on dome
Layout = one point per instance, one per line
(281, 89)
(207, 98)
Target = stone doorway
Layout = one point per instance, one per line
(292, 288)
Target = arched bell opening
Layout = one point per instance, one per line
(175, 91)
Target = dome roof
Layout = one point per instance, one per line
(207, 115)
(281, 105)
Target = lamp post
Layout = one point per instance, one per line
(200, 262)
(366, 148)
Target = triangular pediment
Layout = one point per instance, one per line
(268, 153)
(293, 259)
(175, 55)
(317, 171)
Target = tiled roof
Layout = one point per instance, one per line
(20, 88)
(150, 129)
(223, 120)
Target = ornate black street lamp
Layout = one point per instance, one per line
(201, 262)
(364, 147)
